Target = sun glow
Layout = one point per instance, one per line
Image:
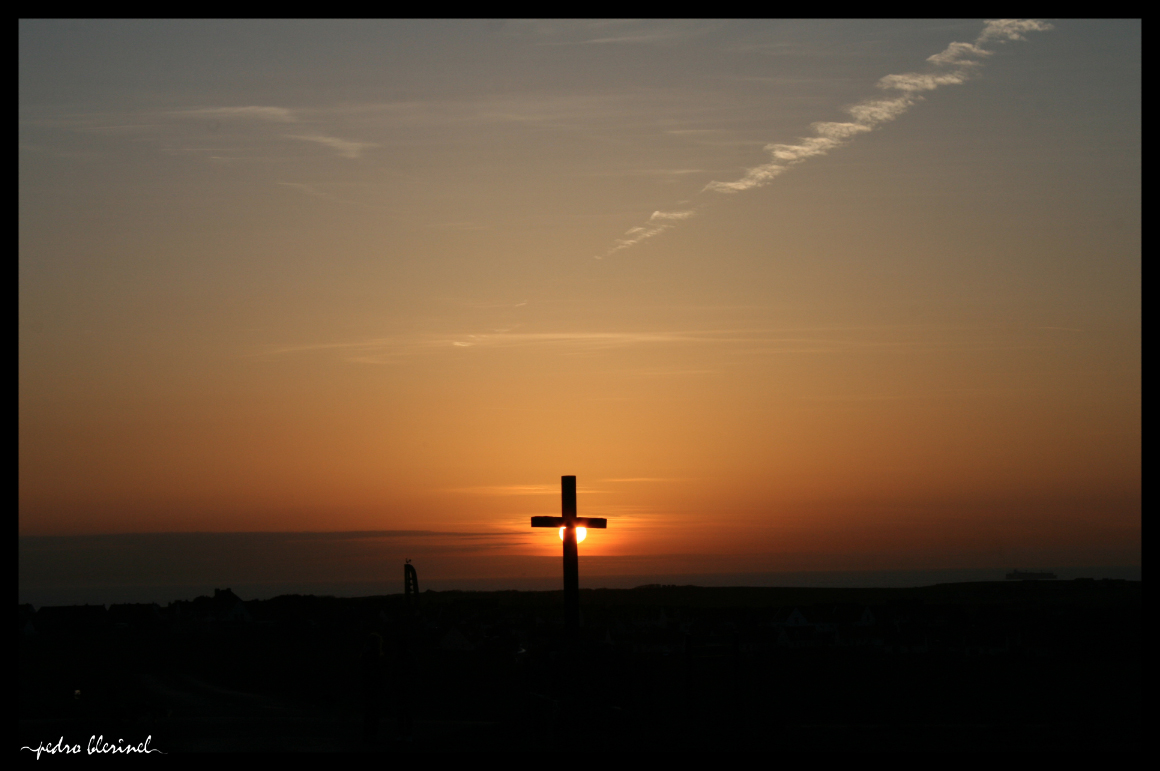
(581, 534)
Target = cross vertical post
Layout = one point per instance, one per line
(571, 554)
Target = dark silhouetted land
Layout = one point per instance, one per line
(1014, 665)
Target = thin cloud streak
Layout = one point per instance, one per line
(758, 341)
(952, 66)
(273, 114)
(314, 191)
(305, 189)
(623, 32)
(344, 147)
(659, 222)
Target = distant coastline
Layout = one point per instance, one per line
(163, 568)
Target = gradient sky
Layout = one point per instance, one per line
(819, 295)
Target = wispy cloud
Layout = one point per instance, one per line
(259, 114)
(1011, 29)
(643, 172)
(959, 54)
(344, 147)
(659, 222)
(394, 349)
(245, 129)
(952, 66)
(756, 340)
(318, 192)
(620, 32)
(273, 114)
(579, 339)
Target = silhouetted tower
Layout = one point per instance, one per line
(410, 583)
(569, 522)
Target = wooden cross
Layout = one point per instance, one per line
(569, 522)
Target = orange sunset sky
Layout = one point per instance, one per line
(799, 295)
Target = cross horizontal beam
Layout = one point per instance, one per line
(599, 523)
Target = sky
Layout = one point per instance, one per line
(783, 295)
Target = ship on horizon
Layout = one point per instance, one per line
(1021, 575)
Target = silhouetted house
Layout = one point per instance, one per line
(71, 619)
(856, 625)
(228, 607)
(656, 618)
(824, 618)
(789, 617)
(852, 614)
(798, 636)
(177, 614)
(223, 607)
(847, 624)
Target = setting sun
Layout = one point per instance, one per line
(581, 534)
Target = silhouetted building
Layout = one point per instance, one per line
(71, 618)
(223, 607)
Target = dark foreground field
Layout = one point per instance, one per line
(983, 666)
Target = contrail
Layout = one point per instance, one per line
(952, 66)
